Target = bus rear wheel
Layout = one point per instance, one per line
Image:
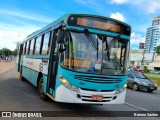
(42, 95)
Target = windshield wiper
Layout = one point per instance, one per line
(113, 41)
(90, 39)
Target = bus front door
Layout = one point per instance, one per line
(53, 65)
(20, 49)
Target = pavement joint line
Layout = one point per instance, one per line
(138, 107)
(7, 71)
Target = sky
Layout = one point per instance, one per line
(19, 18)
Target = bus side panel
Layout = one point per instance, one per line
(30, 75)
(33, 77)
(17, 67)
(26, 72)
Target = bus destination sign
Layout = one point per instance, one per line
(99, 24)
(105, 24)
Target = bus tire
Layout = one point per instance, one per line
(42, 95)
(21, 76)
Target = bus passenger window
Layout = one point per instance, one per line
(27, 48)
(45, 46)
(31, 47)
(24, 48)
(38, 45)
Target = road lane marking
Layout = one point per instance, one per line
(138, 107)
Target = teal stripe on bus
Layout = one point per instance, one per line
(99, 32)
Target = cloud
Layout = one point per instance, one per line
(149, 6)
(25, 15)
(118, 16)
(118, 1)
(136, 38)
(11, 34)
(17, 25)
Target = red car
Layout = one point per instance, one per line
(139, 70)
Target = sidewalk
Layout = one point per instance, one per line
(6, 66)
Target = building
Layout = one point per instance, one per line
(155, 65)
(141, 45)
(153, 36)
(139, 59)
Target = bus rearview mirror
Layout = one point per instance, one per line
(60, 36)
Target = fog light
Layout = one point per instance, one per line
(125, 86)
(114, 97)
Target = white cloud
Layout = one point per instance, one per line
(136, 38)
(12, 34)
(26, 15)
(118, 16)
(118, 1)
(149, 6)
(153, 6)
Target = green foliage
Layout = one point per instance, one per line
(1, 52)
(158, 50)
(7, 52)
(14, 52)
(145, 69)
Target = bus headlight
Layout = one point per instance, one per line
(66, 84)
(121, 90)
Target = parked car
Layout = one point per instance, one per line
(139, 70)
(138, 81)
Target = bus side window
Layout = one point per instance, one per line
(24, 48)
(27, 46)
(38, 45)
(31, 47)
(45, 45)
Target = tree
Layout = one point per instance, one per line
(1, 53)
(158, 50)
(6, 52)
(14, 52)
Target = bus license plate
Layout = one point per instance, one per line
(97, 97)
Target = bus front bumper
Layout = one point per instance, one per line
(65, 95)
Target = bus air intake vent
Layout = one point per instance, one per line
(95, 79)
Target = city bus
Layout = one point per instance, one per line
(78, 58)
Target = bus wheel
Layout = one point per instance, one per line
(42, 95)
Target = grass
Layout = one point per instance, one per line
(158, 83)
(152, 74)
(155, 77)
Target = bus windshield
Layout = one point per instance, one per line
(93, 53)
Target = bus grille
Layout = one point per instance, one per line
(88, 98)
(95, 79)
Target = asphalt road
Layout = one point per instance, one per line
(16, 95)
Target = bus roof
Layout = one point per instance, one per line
(64, 18)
